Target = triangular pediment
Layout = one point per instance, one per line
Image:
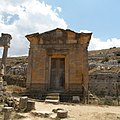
(57, 36)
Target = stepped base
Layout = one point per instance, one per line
(56, 96)
(51, 101)
(52, 98)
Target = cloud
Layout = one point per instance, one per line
(85, 31)
(21, 17)
(59, 9)
(98, 44)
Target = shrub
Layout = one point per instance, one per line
(108, 101)
(101, 101)
(106, 59)
(118, 61)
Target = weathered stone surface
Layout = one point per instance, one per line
(76, 99)
(104, 83)
(62, 114)
(58, 60)
(52, 98)
(5, 39)
(53, 116)
(4, 42)
(23, 103)
(55, 110)
(44, 114)
(1, 108)
(1, 85)
(7, 112)
(19, 116)
(30, 105)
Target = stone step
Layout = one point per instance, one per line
(52, 98)
(51, 101)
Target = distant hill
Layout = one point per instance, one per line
(104, 51)
(104, 71)
(11, 61)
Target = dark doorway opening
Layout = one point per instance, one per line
(57, 75)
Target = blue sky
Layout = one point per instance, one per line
(22, 17)
(99, 16)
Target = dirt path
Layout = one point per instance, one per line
(79, 112)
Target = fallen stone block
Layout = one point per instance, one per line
(76, 99)
(23, 103)
(62, 114)
(7, 113)
(30, 106)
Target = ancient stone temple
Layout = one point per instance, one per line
(58, 61)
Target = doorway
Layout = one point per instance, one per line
(57, 74)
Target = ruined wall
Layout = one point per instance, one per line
(104, 84)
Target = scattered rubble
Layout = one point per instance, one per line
(43, 114)
(55, 113)
(19, 116)
(26, 105)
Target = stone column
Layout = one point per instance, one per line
(23, 103)
(5, 51)
(1, 79)
(7, 113)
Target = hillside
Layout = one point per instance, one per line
(104, 71)
(104, 88)
(104, 51)
(111, 53)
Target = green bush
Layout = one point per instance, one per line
(101, 101)
(119, 61)
(105, 59)
(108, 101)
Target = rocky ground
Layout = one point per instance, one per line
(75, 112)
(84, 112)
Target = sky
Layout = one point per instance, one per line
(22, 17)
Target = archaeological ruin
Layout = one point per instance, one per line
(58, 62)
(5, 43)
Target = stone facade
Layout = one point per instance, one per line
(58, 61)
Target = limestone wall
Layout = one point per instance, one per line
(104, 84)
(58, 43)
